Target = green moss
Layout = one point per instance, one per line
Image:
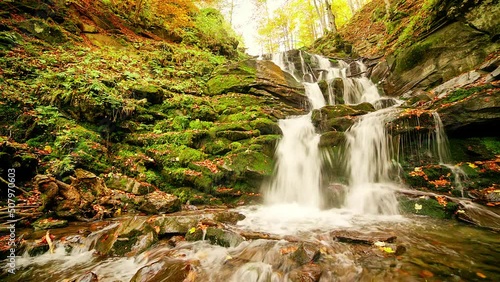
(229, 82)
(429, 207)
(124, 246)
(492, 144)
(413, 55)
(460, 94)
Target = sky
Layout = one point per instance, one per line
(245, 25)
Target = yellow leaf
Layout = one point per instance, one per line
(192, 230)
(48, 149)
(480, 275)
(418, 207)
(388, 250)
(471, 165)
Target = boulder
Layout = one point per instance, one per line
(332, 139)
(153, 94)
(165, 270)
(124, 183)
(160, 202)
(216, 236)
(261, 78)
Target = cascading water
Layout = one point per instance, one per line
(299, 163)
(369, 164)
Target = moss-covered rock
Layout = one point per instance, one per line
(441, 56)
(43, 30)
(332, 139)
(216, 236)
(49, 223)
(428, 206)
(237, 77)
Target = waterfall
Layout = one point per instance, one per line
(297, 177)
(443, 152)
(369, 165)
(298, 166)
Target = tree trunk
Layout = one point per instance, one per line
(331, 17)
(321, 17)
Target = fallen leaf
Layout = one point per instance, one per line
(418, 207)
(192, 230)
(471, 165)
(480, 275)
(388, 250)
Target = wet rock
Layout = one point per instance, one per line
(362, 238)
(412, 121)
(332, 139)
(180, 223)
(49, 223)
(164, 270)
(127, 184)
(88, 277)
(416, 98)
(134, 242)
(300, 256)
(306, 273)
(160, 202)
(230, 217)
(216, 236)
(338, 117)
(487, 217)
(384, 103)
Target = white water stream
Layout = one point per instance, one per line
(294, 195)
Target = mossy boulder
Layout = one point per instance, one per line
(127, 184)
(236, 135)
(338, 117)
(43, 30)
(236, 77)
(335, 111)
(332, 139)
(8, 40)
(153, 94)
(215, 236)
(164, 270)
(49, 223)
(134, 242)
(428, 206)
(432, 177)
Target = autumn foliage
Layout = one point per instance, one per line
(172, 13)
